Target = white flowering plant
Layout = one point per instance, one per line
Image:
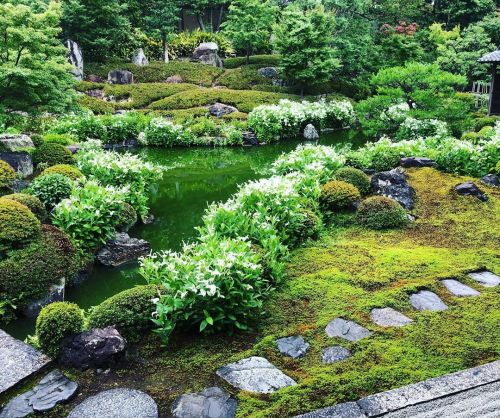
(164, 133)
(412, 128)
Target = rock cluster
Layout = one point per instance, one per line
(123, 249)
(207, 53)
(394, 184)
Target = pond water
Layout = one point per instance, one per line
(195, 178)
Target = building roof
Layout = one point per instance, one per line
(491, 57)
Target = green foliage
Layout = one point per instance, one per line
(65, 169)
(7, 174)
(355, 177)
(259, 61)
(61, 139)
(128, 217)
(380, 212)
(31, 202)
(27, 273)
(34, 75)
(306, 30)
(82, 127)
(129, 311)
(52, 154)
(96, 105)
(338, 195)
(51, 189)
(55, 322)
(463, 12)
(481, 122)
(183, 44)
(18, 225)
(243, 78)
(124, 128)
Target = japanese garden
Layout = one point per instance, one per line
(244, 208)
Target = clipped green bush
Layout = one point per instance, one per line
(338, 195)
(18, 225)
(480, 123)
(31, 202)
(128, 217)
(52, 154)
(28, 272)
(51, 189)
(184, 43)
(96, 105)
(355, 177)
(130, 311)
(7, 174)
(61, 139)
(66, 170)
(258, 60)
(55, 322)
(380, 212)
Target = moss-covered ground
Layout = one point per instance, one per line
(349, 271)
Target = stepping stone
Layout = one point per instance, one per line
(18, 361)
(486, 278)
(334, 354)
(211, 403)
(347, 330)
(388, 317)
(255, 374)
(54, 388)
(459, 289)
(294, 347)
(427, 301)
(117, 403)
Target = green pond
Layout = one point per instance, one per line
(195, 177)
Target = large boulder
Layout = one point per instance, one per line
(139, 58)
(14, 142)
(75, 58)
(207, 53)
(210, 403)
(491, 180)
(19, 161)
(174, 79)
(221, 109)
(394, 184)
(120, 77)
(98, 348)
(408, 162)
(310, 133)
(470, 188)
(123, 249)
(269, 72)
(250, 139)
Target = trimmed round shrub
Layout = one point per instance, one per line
(128, 217)
(61, 139)
(7, 174)
(65, 169)
(55, 322)
(18, 225)
(380, 212)
(338, 195)
(52, 154)
(355, 177)
(51, 189)
(130, 311)
(33, 203)
(28, 272)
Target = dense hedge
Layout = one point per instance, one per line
(380, 212)
(257, 60)
(66, 170)
(338, 195)
(7, 174)
(31, 202)
(51, 154)
(18, 225)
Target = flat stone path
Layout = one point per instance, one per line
(485, 278)
(334, 354)
(18, 361)
(347, 330)
(294, 347)
(427, 301)
(388, 317)
(459, 289)
(210, 403)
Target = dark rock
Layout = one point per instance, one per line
(294, 347)
(92, 349)
(14, 142)
(54, 294)
(18, 185)
(19, 161)
(310, 133)
(221, 109)
(335, 353)
(120, 77)
(470, 189)
(268, 72)
(210, 403)
(75, 58)
(207, 53)
(347, 330)
(117, 403)
(369, 171)
(74, 148)
(95, 78)
(491, 180)
(427, 301)
(123, 249)
(54, 388)
(394, 184)
(174, 79)
(96, 93)
(249, 138)
(408, 162)
(139, 58)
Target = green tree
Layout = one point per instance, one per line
(462, 12)
(99, 27)
(34, 73)
(249, 24)
(303, 37)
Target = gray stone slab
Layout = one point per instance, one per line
(343, 410)
(117, 403)
(427, 301)
(18, 361)
(459, 289)
(486, 278)
(19, 407)
(334, 354)
(393, 400)
(294, 347)
(255, 374)
(388, 317)
(210, 403)
(347, 330)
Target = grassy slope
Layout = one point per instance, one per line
(347, 273)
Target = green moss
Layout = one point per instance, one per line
(96, 105)
(260, 61)
(7, 174)
(243, 78)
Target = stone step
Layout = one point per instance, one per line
(388, 317)
(210, 403)
(294, 347)
(427, 301)
(459, 289)
(485, 278)
(334, 354)
(348, 330)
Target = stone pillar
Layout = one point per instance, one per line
(75, 58)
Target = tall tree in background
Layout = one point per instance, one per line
(303, 37)
(462, 12)
(249, 24)
(34, 73)
(100, 27)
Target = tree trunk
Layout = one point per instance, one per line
(221, 13)
(302, 91)
(200, 22)
(164, 47)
